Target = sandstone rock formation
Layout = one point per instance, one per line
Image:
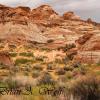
(82, 40)
(70, 15)
(21, 26)
(44, 12)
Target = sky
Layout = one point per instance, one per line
(84, 8)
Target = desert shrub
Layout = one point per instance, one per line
(65, 60)
(28, 46)
(45, 49)
(2, 66)
(68, 68)
(49, 67)
(65, 78)
(37, 67)
(13, 54)
(68, 47)
(83, 70)
(98, 63)
(86, 88)
(60, 71)
(59, 61)
(15, 69)
(35, 74)
(76, 64)
(22, 61)
(40, 58)
(46, 79)
(27, 68)
(28, 54)
(69, 75)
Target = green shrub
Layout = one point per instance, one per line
(28, 54)
(13, 54)
(38, 67)
(22, 61)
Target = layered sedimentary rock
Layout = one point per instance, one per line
(22, 25)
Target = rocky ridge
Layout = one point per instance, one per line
(22, 25)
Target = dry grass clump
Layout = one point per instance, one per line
(86, 88)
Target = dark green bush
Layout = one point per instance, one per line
(22, 61)
(28, 54)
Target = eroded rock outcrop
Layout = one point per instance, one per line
(5, 59)
(82, 40)
(70, 15)
(44, 12)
